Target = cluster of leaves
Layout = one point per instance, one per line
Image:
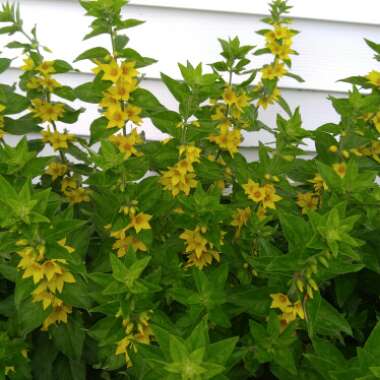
(178, 259)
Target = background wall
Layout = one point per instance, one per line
(331, 46)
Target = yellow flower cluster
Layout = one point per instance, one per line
(73, 192)
(135, 332)
(228, 138)
(47, 111)
(307, 201)
(274, 71)
(2, 133)
(200, 252)
(369, 151)
(319, 184)
(181, 176)
(137, 221)
(114, 102)
(56, 169)
(240, 219)
(374, 78)
(290, 311)
(50, 275)
(268, 99)
(279, 41)
(235, 101)
(42, 80)
(127, 144)
(264, 195)
(57, 139)
(304, 281)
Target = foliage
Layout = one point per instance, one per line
(122, 258)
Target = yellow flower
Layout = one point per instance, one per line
(47, 111)
(28, 64)
(116, 117)
(128, 71)
(229, 96)
(195, 242)
(376, 121)
(227, 139)
(56, 169)
(49, 83)
(374, 78)
(205, 259)
(176, 180)
(319, 183)
(282, 32)
(266, 100)
(307, 202)
(46, 67)
(240, 219)
(34, 83)
(122, 89)
(220, 112)
(41, 294)
(133, 113)
(191, 152)
(126, 144)
(140, 222)
(59, 314)
(78, 195)
(340, 169)
(35, 271)
(270, 196)
(242, 101)
(122, 349)
(51, 268)
(261, 213)
(108, 100)
(56, 139)
(280, 51)
(123, 243)
(199, 250)
(281, 301)
(57, 282)
(273, 71)
(68, 184)
(298, 309)
(254, 192)
(63, 244)
(9, 369)
(111, 71)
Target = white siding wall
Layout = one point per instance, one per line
(331, 45)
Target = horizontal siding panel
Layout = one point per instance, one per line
(365, 11)
(315, 109)
(328, 50)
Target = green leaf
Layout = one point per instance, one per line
(129, 23)
(94, 53)
(22, 126)
(99, 130)
(14, 103)
(91, 92)
(65, 92)
(178, 89)
(61, 66)
(133, 55)
(4, 64)
(69, 337)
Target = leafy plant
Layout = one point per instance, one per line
(122, 258)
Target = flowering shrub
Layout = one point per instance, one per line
(122, 258)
